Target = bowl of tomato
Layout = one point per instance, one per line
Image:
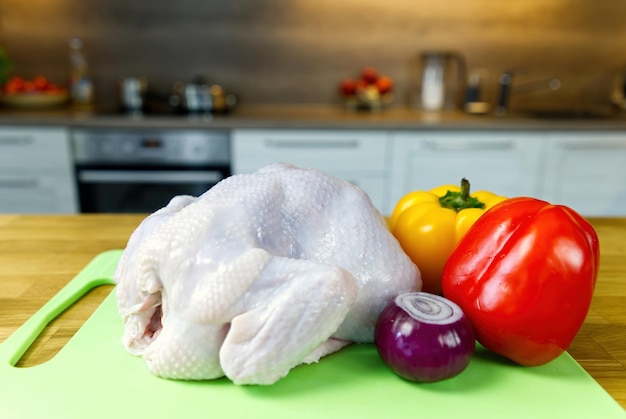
(38, 92)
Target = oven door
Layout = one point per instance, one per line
(140, 190)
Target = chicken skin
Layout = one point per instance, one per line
(261, 273)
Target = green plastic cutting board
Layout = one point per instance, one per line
(93, 377)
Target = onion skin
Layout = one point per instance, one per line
(424, 350)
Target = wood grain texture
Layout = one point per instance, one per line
(284, 51)
(40, 254)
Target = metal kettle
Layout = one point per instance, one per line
(441, 78)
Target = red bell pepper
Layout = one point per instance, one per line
(524, 274)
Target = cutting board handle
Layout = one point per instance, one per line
(98, 272)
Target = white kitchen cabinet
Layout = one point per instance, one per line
(587, 172)
(360, 157)
(506, 163)
(36, 171)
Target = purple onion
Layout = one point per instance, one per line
(424, 337)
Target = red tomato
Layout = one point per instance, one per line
(369, 75)
(11, 88)
(41, 83)
(14, 85)
(384, 84)
(54, 89)
(361, 85)
(524, 274)
(29, 86)
(348, 87)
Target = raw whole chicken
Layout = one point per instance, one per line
(261, 273)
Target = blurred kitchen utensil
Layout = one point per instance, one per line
(442, 77)
(199, 97)
(618, 92)
(81, 88)
(223, 101)
(473, 93)
(506, 88)
(132, 91)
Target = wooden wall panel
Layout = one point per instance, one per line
(283, 51)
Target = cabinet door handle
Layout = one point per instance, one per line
(19, 183)
(468, 145)
(149, 176)
(593, 145)
(296, 143)
(18, 140)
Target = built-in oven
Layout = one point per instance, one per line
(140, 170)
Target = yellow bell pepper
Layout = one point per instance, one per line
(429, 224)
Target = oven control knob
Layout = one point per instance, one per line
(196, 149)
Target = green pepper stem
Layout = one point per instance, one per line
(459, 201)
(465, 189)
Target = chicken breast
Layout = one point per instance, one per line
(261, 273)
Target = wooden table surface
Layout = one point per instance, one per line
(40, 254)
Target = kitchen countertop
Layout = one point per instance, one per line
(39, 254)
(317, 117)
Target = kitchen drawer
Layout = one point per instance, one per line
(34, 148)
(37, 194)
(507, 163)
(321, 149)
(586, 171)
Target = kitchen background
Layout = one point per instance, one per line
(297, 51)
